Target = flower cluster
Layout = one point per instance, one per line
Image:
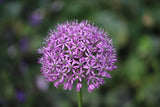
(77, 51)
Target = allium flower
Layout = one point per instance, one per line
(41, 84)
(21, 96)
(73, 52)
(36, 18)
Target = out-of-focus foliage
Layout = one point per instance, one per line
(134, 26)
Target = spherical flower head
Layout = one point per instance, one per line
(75, 51)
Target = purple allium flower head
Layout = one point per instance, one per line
(42, 85)
(21, 96)
(73, 52)
(36, 18)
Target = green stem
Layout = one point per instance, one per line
(80, 98)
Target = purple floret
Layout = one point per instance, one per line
(73, 52)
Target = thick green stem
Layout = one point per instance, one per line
(80, 98)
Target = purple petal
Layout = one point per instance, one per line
(91, 87)
(78, 87)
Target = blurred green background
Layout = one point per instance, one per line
(134, 26)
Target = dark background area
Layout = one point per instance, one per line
(134, 26)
